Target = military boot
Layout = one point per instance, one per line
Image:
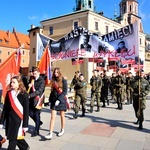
(108, 102)
(137, 122)
(91, 109)
(98, 109)
(83, 113)
(140, 125)
(75, 116)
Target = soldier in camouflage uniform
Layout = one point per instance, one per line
(129, 89)
(105, 86)
(113, 86)
(141, 88)
(119, 83)
(96, 83)
(80, 97)
(74, 80)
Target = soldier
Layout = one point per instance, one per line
(96, 83)
(119, 82)
(113, 86)
(141, 88)
(129, 89)
(74, 80)
(105, 87)
(80, 97)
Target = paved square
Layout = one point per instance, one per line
(99, 129)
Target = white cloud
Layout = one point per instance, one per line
(33, 17)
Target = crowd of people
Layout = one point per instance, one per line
(25, 98)
(124, 88)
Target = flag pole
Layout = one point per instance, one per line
(139, 84)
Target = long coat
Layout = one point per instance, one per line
(55, 95)
(10, 117)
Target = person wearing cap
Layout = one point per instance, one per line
(96, 83)
(105, 86)
(129, 89)
(36, 96)
(119, 83)
(80, 97)
(141, 89)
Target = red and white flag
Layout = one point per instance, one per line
(8, 69)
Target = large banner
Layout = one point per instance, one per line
(122, 43)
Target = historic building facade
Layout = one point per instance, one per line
(85, 15)
(9, 42)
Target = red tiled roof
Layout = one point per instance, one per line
(9, 39)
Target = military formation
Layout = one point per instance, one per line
(123, 88)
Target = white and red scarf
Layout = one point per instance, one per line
(18, 108)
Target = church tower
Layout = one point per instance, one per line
(84, 5)
(129, 13)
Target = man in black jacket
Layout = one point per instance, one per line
(36, 97)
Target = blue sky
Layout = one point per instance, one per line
(21, 14)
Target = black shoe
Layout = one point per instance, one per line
(137, 122)
(35, 133)
(91, 110)
(140, 127)
(41, 123)
(98, 110)
(83, 115)
(103, 106)
(75, 116)
(107, 102)
(46, 104)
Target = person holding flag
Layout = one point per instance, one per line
(36, 98)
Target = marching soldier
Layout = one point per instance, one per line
(96, 83)
(80, 97)
(74, 80)
(129, 89)
(105, 87)
(141, 88)
(113, 86)
(120, 81)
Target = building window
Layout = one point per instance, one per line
(124, 8)
(140, 41)
(23, 52)
(8, 53)
(1, 40)
(23, 61)
(107, 29)
(96, 25)
(75, 25)
(0, 51)
(130, 8)
(34, 33)
(51, 30)
(0, 60)
(90, 4)
(33, 50)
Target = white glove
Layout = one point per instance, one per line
(1, 126)
(57, 102)
(25, 129)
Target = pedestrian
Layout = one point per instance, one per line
(105, 86)
(119, 84)
(129, 89)
(36, 98)
(58, 101)
(80, 97)
(15, 114)
(141, 89)
(74, 80)
(96, 83)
